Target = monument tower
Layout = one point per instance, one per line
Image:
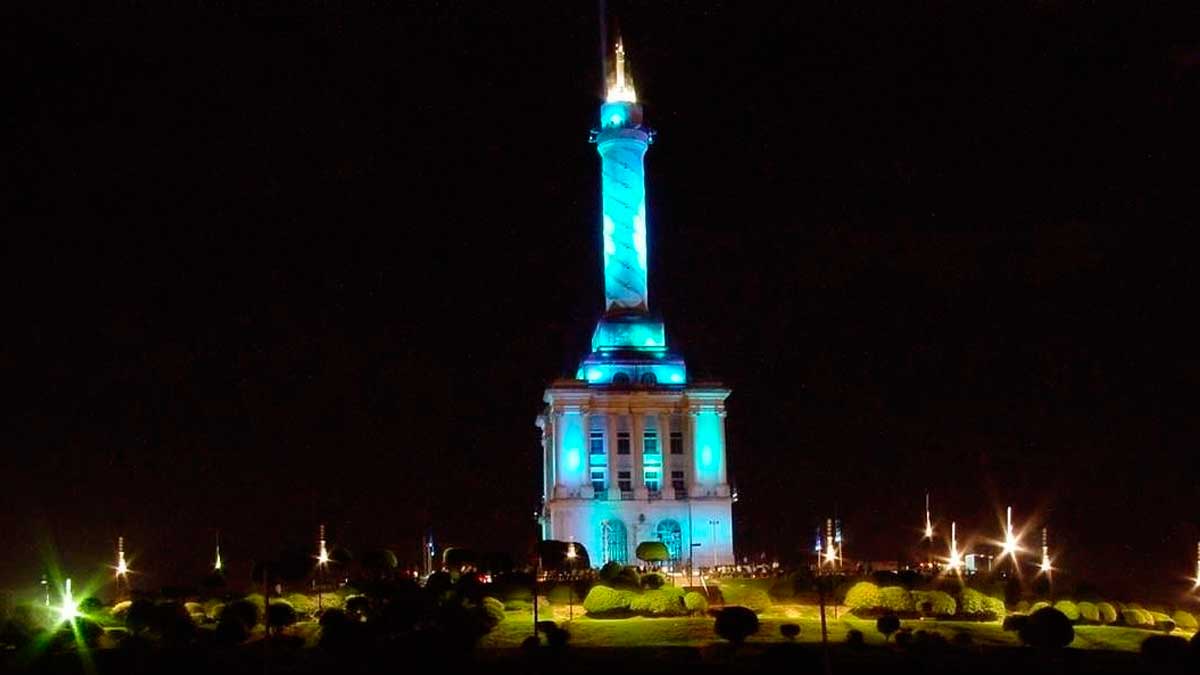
(632, 449)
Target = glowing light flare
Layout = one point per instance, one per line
(928, 519)
(69, 609)
(955, 562)
(621, 88)
(1011, 544)
(322, 552)
(573, 459)
(122, 567)
(1197, 582)
(1045, 567)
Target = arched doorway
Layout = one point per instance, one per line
(614, 541)
(670, 534)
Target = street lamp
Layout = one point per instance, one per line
(570, 582)
(322, 563)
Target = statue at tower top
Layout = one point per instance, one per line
(620, 88)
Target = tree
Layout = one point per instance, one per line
(652, 552)
(736, 624)
(789, 631)
(887, 624)
(379, 563)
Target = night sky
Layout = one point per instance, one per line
(268, 272)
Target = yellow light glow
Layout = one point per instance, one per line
(1011, 544)
(928, 519)
(571, 552)
(621, 88)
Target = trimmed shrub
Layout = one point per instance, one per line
(494, 610)
(304, 604)
(1038, 605)
(661, 602)
(653, 580)
(695, 603)
(628, 579)
(887, 624)
(1184, 620)
(789, 631)
(1023, 607)
(281, 613)
(736, 624)
(608, 574)
(862, 596)
(1108, 613)
(1162, 622)
(855, 639)
(976, 605)
(995, 608)
(1069, 610)
(934, 603)
(1088, 612)
(357, 607)
(604, 600)
(1137, 618)
(1047, 628)
(895, 599)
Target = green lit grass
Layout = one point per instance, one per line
(698, 631)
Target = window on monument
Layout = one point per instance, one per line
(650, 442)
(676, 442)
(622, 442)
(678, 484)
(599, 485)
(624, 481)
(596, 449)
(653, 478)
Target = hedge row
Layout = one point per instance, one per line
(865, 597)
(667, 601)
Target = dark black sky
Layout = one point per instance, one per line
(269, 271)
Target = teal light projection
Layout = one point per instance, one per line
(622, 145)
(709, 448)
(573, 469)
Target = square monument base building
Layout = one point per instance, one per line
(633, 450)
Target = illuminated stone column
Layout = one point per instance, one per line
(637, 443)
(585, 487)
(610, 449)
(664, 448)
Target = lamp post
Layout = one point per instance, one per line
(570, 581)
(322, 563)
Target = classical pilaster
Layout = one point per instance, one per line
(610, 450)
(636, 426)
(664, 447)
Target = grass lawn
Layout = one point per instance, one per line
(698, 631)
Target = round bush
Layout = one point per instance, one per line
(695, 602)
(887, 624)
(609, 573)
(995, 608)
(1023, 607)
(753, 598)
(1108, 613)
(1047, 628)
(231, 630)
(604, 600)
(1069, 610)
(281, 613)
(494, 610)
(1137, 618)
(855, 639)
(1162, 622)
(653, 580)
(935, 603)
(1184, 620)
(736, 624)
(862, 596)
(789, 631)
(895, 599)
(628, 579)
(1038, 605)
(972, 603)
(1088, 612)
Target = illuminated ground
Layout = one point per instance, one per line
(698, 631)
